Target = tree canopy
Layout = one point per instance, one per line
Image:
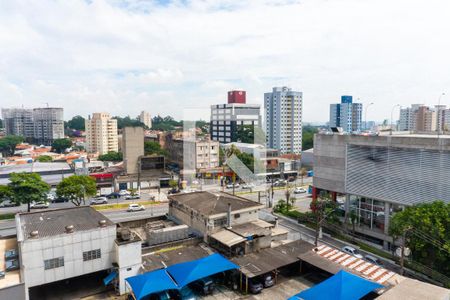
(27, 188)
(76, 188)
(128, 122)
(165, 123)
(250, 134)
(154, 148)
(308, 137)
(111, 156)
(427, 229)
(8, 144)
(44, 158)
(5, 193)
(60, 145)
(77, 123)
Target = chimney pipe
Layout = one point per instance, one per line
(229, 216)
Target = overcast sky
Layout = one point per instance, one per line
(165, 56)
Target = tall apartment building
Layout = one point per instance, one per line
(284, 120)
(227, 118)
(18, 121)
(101, 134)
(48, 124)
(426, 119)
(146, 119)
(347, 115)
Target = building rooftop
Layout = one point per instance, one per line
(415, 290)
(259, 228)
(207, 203)
(36, 167)
(54, 222)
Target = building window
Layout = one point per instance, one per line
(53, 263)
(93, 254)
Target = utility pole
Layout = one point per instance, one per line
(402, 256)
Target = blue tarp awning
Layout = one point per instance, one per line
(187, 272)
(151, 282)
(110, 277)
(341, 286)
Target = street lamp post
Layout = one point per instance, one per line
(365, 115)
(392, 116)
(439, 122)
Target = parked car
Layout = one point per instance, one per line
(299, 190)
(59, 200)
(124, 193)
(39, 205)
(280, 183)
(173, 191)
(113, 195)
(352, 251)
(9, 203)
(11, 254)
(291, 179)
(184, 293)
(12, 265)
(248, 186)
(132, 197)
(230, 185)
(99, 200)
(267, 280)
(204, 286)
(373, 260)
(135, 207)
(51, 196)
(164, 295)
(255, 287)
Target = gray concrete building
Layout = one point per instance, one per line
(48, 124)
(379, 175)
(133, 148)
(18, 121)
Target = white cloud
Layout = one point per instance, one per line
(126, 56)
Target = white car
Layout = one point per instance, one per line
(40, 204)
(131, 197)
(135, 207)
(299, 190)
(124, 193)
(230, 185)
(248, 186)
(99, 200)
(352, 251)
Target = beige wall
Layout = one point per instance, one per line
(101, 134)
(132, 147)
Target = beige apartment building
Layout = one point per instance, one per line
(101, 134)
(146, 119)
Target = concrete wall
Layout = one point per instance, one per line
(129, 258)
(71, 246)
(132, 147)
(13, 292)
(165, 235)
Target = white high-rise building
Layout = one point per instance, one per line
(146, 119)
(101, 134)
(284, 119)
(18, 121)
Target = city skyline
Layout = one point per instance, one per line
(72, 57)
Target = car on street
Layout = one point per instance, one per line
(99, 200)
(124, 193)
(204, 286)
(280, 183)
(352, 251)
(8, 203)
(135, 207)
(299, 190)
(373, 260)
(59, 200)
(39, 205)
(132, 197)
(230, 185)
(113, 195)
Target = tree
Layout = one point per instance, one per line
(303, 172)
(77, 123)
(250, 134)
(8, 144)
(323, 208)
(111, 156)
(173, 183)
(428, 228)
(165, 124)
(353, 219)
(44, 158)
(151, 148)
(5, 193)
(1, 123)
(60, 145)
(128, 122)
(76, 188)
(28, 188)
(308, 137)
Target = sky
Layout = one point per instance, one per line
(165, 57)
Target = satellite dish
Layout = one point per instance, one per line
(406, 252)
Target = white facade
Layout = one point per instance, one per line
(129, 259)
(101, 134)
(146, 119)
(284, 120)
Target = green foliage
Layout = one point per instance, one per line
(173, 183)
(427, 229)
(77, 123)
(308, 137)
(28, 188)
(111, 156)
(44, 158)
(60, 145)
(8, 144)
(1, 123)
(5, 193)
(250, 134)
(128, 122)
(154, 148)
(76, 188)
(165, 124)
(246, 158)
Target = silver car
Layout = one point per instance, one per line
(352, 251)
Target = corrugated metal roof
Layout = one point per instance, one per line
(54, 222)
